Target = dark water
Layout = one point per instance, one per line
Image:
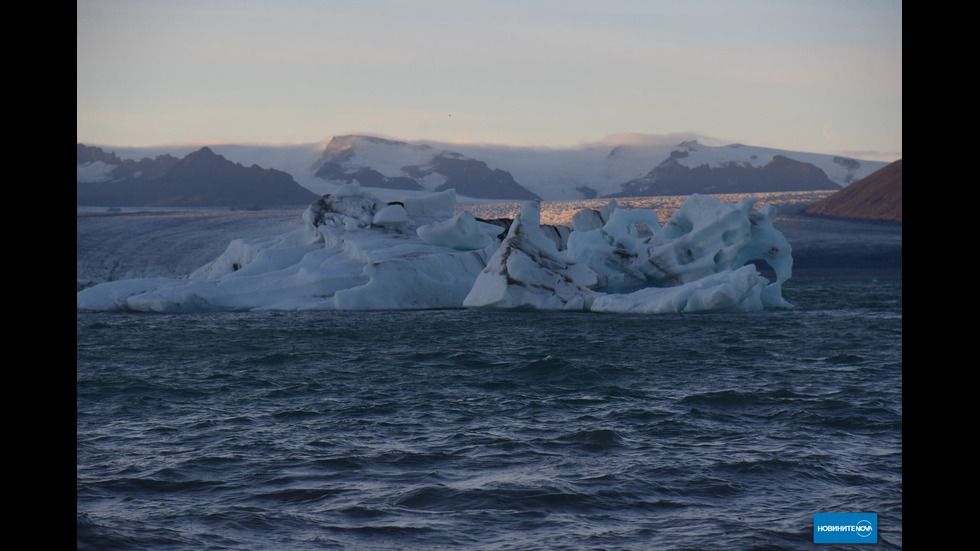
(462, 429)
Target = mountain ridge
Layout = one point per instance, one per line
(201, 178)
(425, 168)
(617, 166)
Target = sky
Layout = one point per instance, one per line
(821, 76)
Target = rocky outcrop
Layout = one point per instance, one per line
(88, 154)
(365, 176)
(475, 179)
(877, 196)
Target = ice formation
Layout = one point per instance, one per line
(353, 252)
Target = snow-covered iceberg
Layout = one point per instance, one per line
(353, 252)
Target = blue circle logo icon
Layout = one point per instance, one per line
(864, 528)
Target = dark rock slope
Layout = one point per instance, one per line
(877, 196)
(671, 177)
(201, 179)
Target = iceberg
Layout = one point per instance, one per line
(351, 251)
(462, 232)
(528, 272)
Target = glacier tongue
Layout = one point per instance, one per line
(353, 252)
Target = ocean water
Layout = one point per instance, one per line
(459, 429)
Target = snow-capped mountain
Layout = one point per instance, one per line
(612, 168)
(623, 166)
(382, 163)
(617, 166)
(692, 169)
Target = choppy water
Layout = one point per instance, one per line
(462, 429)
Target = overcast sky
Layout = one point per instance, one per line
(822, 76)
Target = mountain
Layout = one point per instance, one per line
(200, 179)
(620, 165)
(97, 166)
(679, 176)
(877, 196)
(381, 163)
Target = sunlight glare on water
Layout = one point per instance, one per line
(561, 212)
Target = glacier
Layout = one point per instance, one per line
(351, 251)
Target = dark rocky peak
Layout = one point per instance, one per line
(204, 162)
(204, 151)
(780, 162)
(86, 154)
(475, 179)
(203, 155)
(146, 167)
(780, 174)
(200, 179)
(205, 159)
(127, 168)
